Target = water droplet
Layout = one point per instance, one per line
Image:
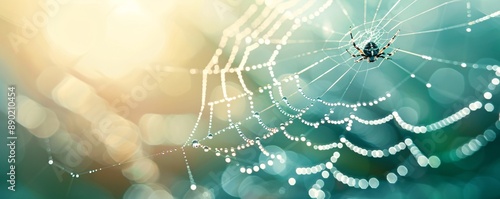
(282, 127)
(217, 152)
(285, 99)
(195, 144)
(206, 149)
(210, 136)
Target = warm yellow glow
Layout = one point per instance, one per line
(178, 128)
(71, 93)
(131, 39)
(185, 44)
(238, 107)
(49, 126)
(74, 31)
(16, 11)
(141, 171)
(176, 84)
(122, 142)
(30, 113)
(94, 109)
(97, 39)
(153, 129)
(136, 32)
(48, 79)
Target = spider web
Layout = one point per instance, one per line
(281, 83)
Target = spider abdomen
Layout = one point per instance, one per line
(371, 49)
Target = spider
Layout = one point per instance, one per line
(371, 51)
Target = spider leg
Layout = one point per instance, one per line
(354, 43)
(388, 44)
(382, 56)
(360, 59)
(392, 53)
(352, 54)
